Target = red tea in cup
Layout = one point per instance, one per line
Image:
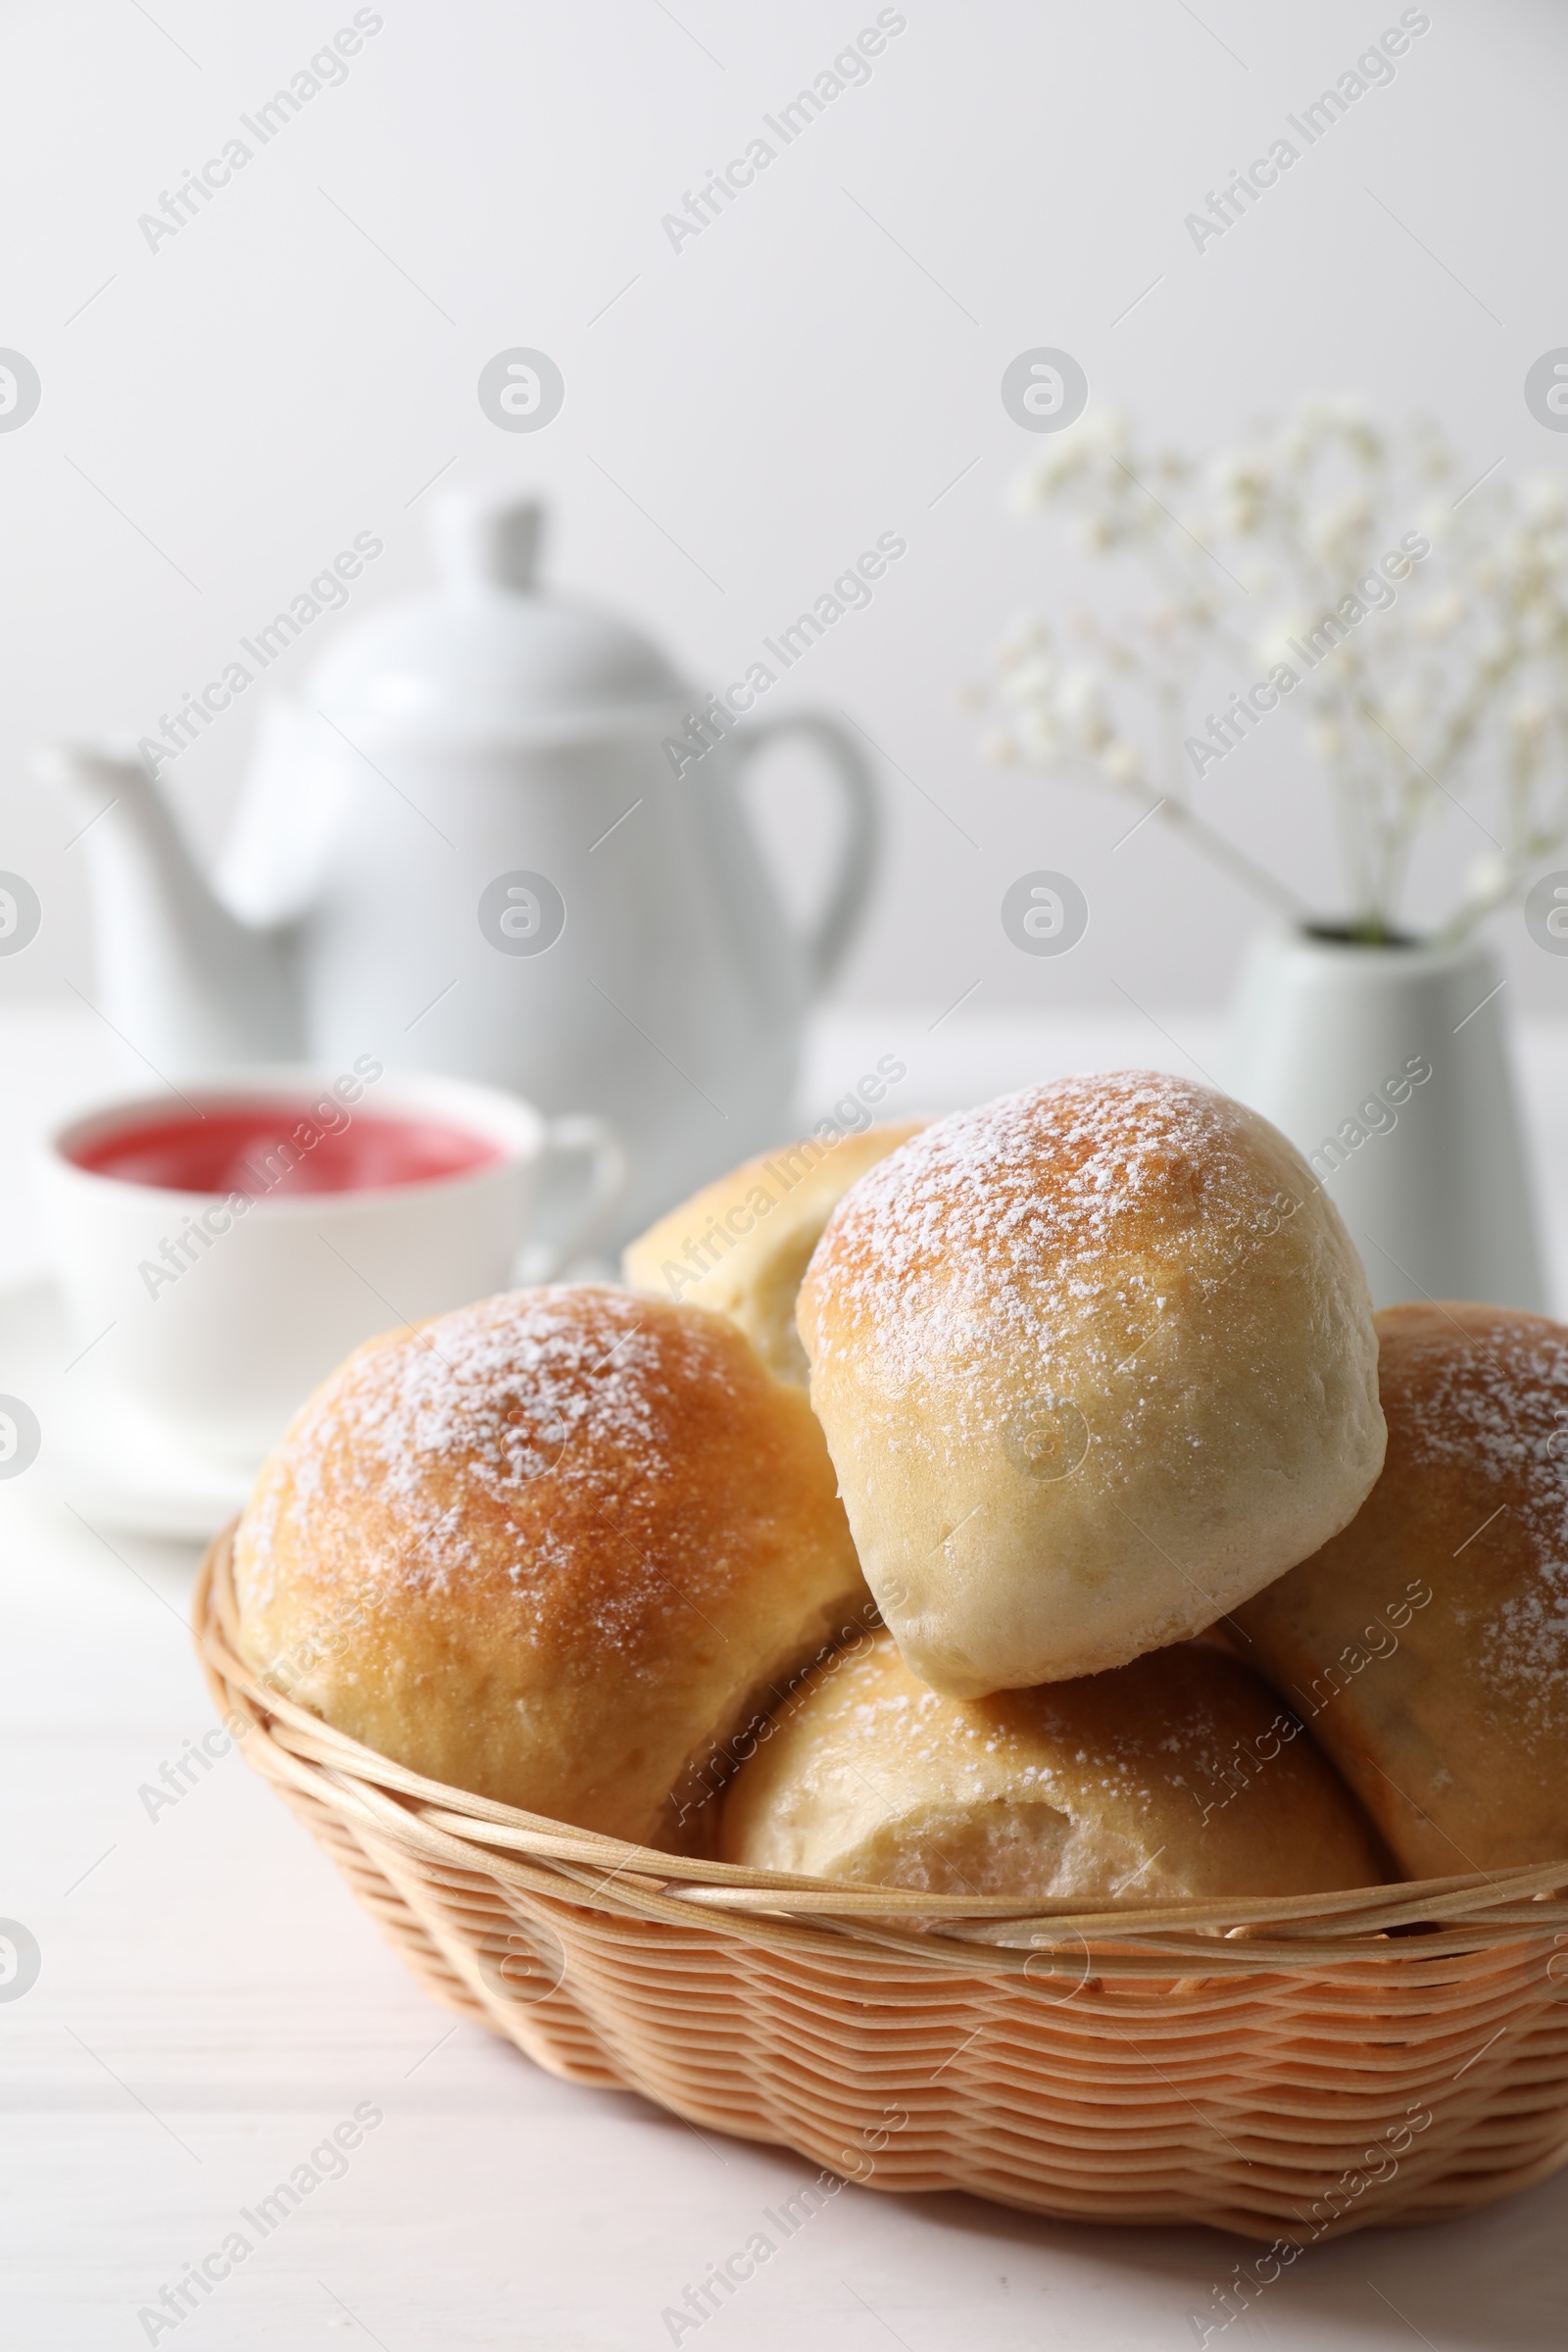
(263, 1148)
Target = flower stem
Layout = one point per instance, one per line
(1225, 853)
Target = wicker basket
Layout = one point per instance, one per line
(1291, 2069)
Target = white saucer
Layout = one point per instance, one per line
(115, 1466)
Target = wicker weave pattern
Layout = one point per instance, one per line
(1289, 2069)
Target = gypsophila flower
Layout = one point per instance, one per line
(1328, 567)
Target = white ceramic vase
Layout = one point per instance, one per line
(1389, 1069)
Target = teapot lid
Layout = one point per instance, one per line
(489, 654)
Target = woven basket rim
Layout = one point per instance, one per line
(1466, 1913)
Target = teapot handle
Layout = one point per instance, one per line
(827, 941)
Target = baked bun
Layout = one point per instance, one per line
(1428, 1643)
(740, 1247)
(1178, 1774)
(1095, 1362)
(551, 1549)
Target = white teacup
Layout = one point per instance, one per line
(217, 1313)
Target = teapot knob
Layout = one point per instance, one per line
(487, 539)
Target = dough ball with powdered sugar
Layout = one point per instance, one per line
(555, 1549)
(1095, 1362)
(1175, 1776)
(1426, 1643)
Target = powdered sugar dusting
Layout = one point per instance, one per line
(537, 1420)
(1126, 1765)
(1495, 1405)
(1015, 1223)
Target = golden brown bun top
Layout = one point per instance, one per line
(547, 1548)
(1094, 1362)
(740, 1245)
(991, 1211)
(1177, 1776)
(1428, 1643)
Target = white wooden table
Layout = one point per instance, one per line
(212, 2004)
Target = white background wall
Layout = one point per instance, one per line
(231, 409)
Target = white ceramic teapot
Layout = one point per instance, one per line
(466, 847)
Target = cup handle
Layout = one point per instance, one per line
(578, 1135)
(827, 942)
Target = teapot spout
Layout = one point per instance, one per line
(188, 984)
